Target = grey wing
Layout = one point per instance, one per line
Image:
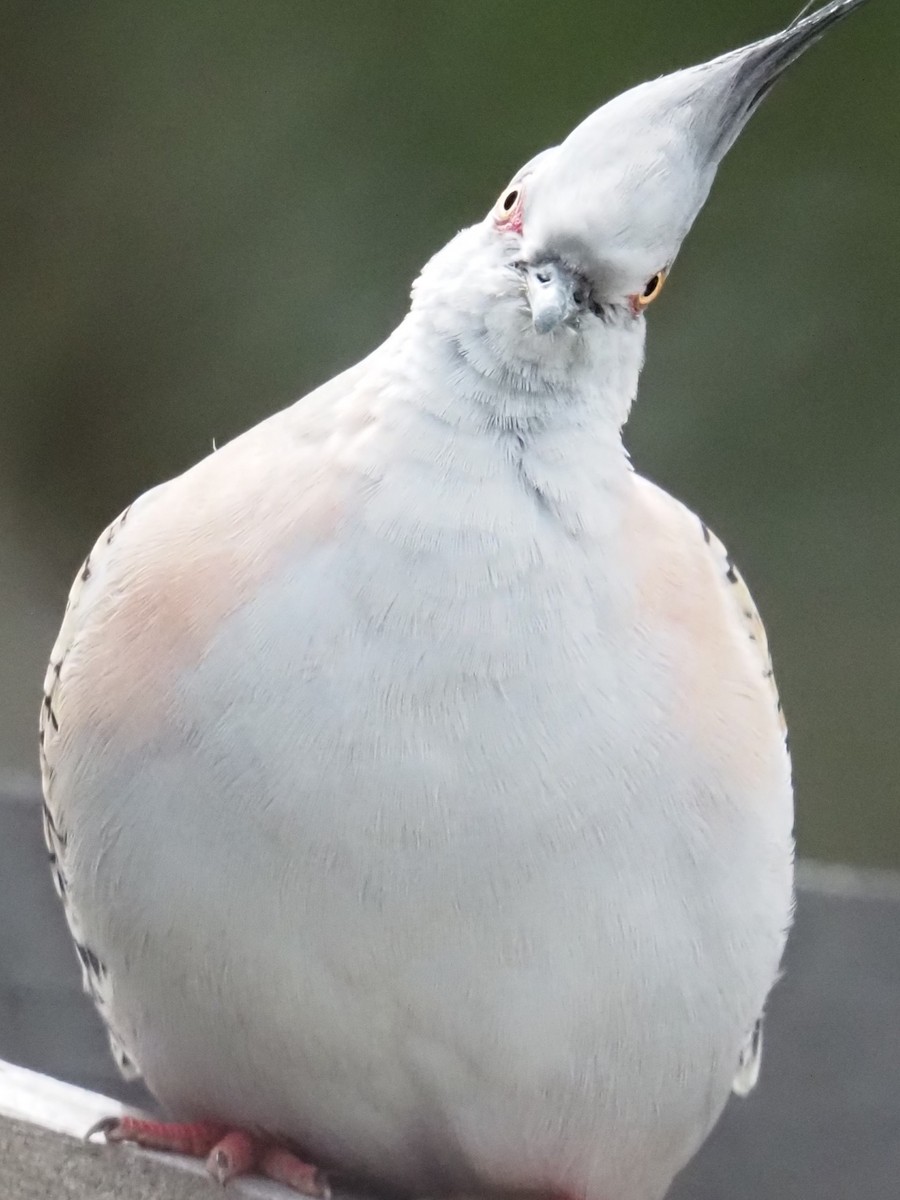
(750, 1059)
(93, 972)
(749, 1062)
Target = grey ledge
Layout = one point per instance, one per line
(43, 1152)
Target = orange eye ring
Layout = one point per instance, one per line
(655, 285)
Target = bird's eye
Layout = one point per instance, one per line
(651, 291)
(508, 211)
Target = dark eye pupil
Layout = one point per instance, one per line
(651, 287)
(510, 200)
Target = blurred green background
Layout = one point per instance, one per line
(209, 207)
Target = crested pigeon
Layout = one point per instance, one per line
(416, 782)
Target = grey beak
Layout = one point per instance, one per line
(552, 294)
(761, 65)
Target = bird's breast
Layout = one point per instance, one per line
(440, 848)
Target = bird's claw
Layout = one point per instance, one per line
(107, 1126)
(228, 1153)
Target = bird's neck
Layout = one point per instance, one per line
(479, 420)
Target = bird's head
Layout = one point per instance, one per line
(582, 238)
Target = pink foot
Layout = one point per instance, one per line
(228, 1153)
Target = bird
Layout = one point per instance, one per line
(415, 779)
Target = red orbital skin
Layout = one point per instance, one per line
(511, 222)
(229, 1153)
